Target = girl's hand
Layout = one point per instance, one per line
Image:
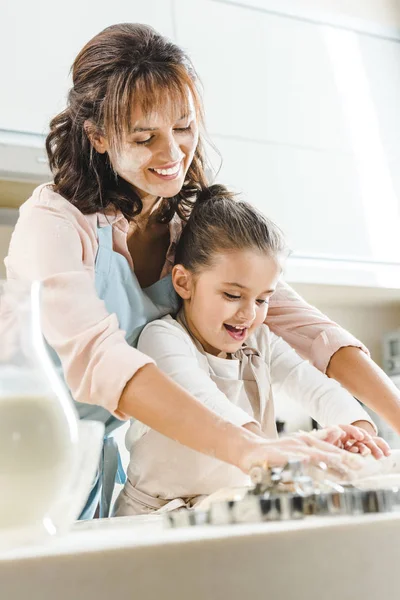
(307, 447)
(358, 438)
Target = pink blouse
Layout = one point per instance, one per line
(54, 242)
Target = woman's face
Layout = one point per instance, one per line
(226, 302)
(156, 154)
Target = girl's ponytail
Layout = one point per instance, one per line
(219, 222)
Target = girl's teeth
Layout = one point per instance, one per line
(172, 171)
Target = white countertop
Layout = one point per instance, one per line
(320, 558)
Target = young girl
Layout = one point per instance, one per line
(228, 263)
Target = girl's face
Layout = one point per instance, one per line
(156, 153)
(226, 302)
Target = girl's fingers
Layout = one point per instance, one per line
(378, 447)
(382, 445)
(361, 448)
(353, 448)
(355, 433)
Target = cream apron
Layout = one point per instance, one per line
(156, 461)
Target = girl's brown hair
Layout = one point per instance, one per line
(123, 65)
(218, 223)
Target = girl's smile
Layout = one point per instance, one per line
(236, 332)
(225, 302)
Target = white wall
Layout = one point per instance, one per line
(367, 316)
(384, 12)
(381, 13)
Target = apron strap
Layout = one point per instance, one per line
(112, 471)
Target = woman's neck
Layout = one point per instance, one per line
(147, 216)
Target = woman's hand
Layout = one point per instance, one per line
(358, 438)
(307, 447)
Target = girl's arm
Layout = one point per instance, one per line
(333, 350)
(168, 407)
(175, 354)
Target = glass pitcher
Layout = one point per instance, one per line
(43, 481)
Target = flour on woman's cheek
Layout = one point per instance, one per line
(131, 164)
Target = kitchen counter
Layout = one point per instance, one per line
(312, 559)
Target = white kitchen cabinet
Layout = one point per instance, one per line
(315, 197)
(381, 61)
(368, 15)
(306, 118)
(266, 77)
(38, 43)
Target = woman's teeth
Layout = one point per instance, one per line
(172, 171)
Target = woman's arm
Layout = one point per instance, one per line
(52, 242)
(322, 398)
(160, 403)
(312, 334)
(366, 381)
(333, 350)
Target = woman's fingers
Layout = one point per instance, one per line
(314, 456)
(302, 446)
(330, 435)
(336, 454)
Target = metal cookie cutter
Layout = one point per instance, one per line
(291, 492)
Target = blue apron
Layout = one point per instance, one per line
(117, 285)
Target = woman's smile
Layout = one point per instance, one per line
(167, 172)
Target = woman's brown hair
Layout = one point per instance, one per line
(122, 65)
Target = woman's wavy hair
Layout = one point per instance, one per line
(123, 65)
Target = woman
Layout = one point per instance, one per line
(127, 160)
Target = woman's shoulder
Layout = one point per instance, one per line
(50, 236)
(46, 201)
